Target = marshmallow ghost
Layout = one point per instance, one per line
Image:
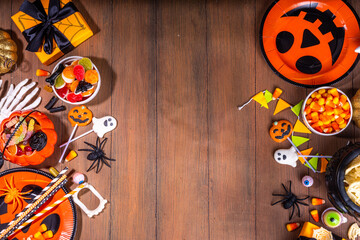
(286, 156)
(104, 125)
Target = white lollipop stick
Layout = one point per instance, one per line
(300, 155)
(67, 144)
(315, 156)
(101, 126)
(74, 139)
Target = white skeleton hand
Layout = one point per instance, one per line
(12, 101)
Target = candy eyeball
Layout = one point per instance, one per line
(307, 181)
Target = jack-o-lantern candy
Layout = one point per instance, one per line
(281, 130)
(80, 115)
(310, 43)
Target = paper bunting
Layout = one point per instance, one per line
(313, 162)
(268, 96)
(300, 127)
(297, 108)
(281, 105)
(299, 140)
(324, 162)
(260, 99)
(305, 152)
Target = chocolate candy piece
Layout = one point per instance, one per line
(51, 79)
(83, 87)
(57, 109)
(51, 103)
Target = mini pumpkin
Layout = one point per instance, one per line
(42, 141)
(8, 52)
(281, 130)
(80, 115)
(355, 101)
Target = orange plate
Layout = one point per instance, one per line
(66, 210)
(310, 43)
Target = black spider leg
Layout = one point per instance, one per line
(91, 145)
(104, 161)
(280, 195)
(287, 192)
(99, 166)
(305, 204)
(282, 200)
(292, 212)
(92, 165)
(103, 142)
(301, 199)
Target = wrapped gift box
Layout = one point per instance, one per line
(74, 28)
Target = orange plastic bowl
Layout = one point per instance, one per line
(63, 217)
(310, 43)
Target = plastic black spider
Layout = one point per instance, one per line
(97, 155)
(290, 200)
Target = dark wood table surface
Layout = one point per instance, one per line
(189, 165)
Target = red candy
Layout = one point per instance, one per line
(79, 72)
(72, 97)
(19, 151)
(62, 92)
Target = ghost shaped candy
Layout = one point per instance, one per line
(286, 156)
(104, 125)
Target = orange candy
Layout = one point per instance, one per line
(88, 92)
(42, 73)
(327, 110)
(91, 76)
(277, 93)
(315, 215)
(74, 85)
(317, 201)
(292, 226)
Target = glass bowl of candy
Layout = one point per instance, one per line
(79, 81)
(327, 111)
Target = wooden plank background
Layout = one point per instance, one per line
(188, 164)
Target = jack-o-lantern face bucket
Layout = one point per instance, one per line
(310, 43)
(61, 220)
(34, 140)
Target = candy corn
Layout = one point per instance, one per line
(292, 226)
(328, 111)
(315, 215)
(43, 227)
(39, 236)
(277, 93)
(317, 201)
(42, 73)
(72, 154)
(48, 234)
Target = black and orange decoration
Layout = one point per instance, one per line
(61, 221)
(310, 43)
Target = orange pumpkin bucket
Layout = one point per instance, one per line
(310, 43)
(61, 221)
(32, 142)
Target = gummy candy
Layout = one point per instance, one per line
(91, 76)
(88, 92)
(86, 63)
(62, 92)
(68, 74)
(292, 226)
(59, 82)
(48, 88)
(74, 85)
(79, 72)
(72, 97)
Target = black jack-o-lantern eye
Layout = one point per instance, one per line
(307, 43)
(281, 130)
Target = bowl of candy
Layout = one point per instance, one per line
(327, 111)
(79, 81)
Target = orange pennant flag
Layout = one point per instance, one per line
(305, 152)
(281, 105)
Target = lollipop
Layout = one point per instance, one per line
(78, 116)
(101, 126)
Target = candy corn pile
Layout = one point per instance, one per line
(327, 111)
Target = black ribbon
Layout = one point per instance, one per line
(46, 30)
